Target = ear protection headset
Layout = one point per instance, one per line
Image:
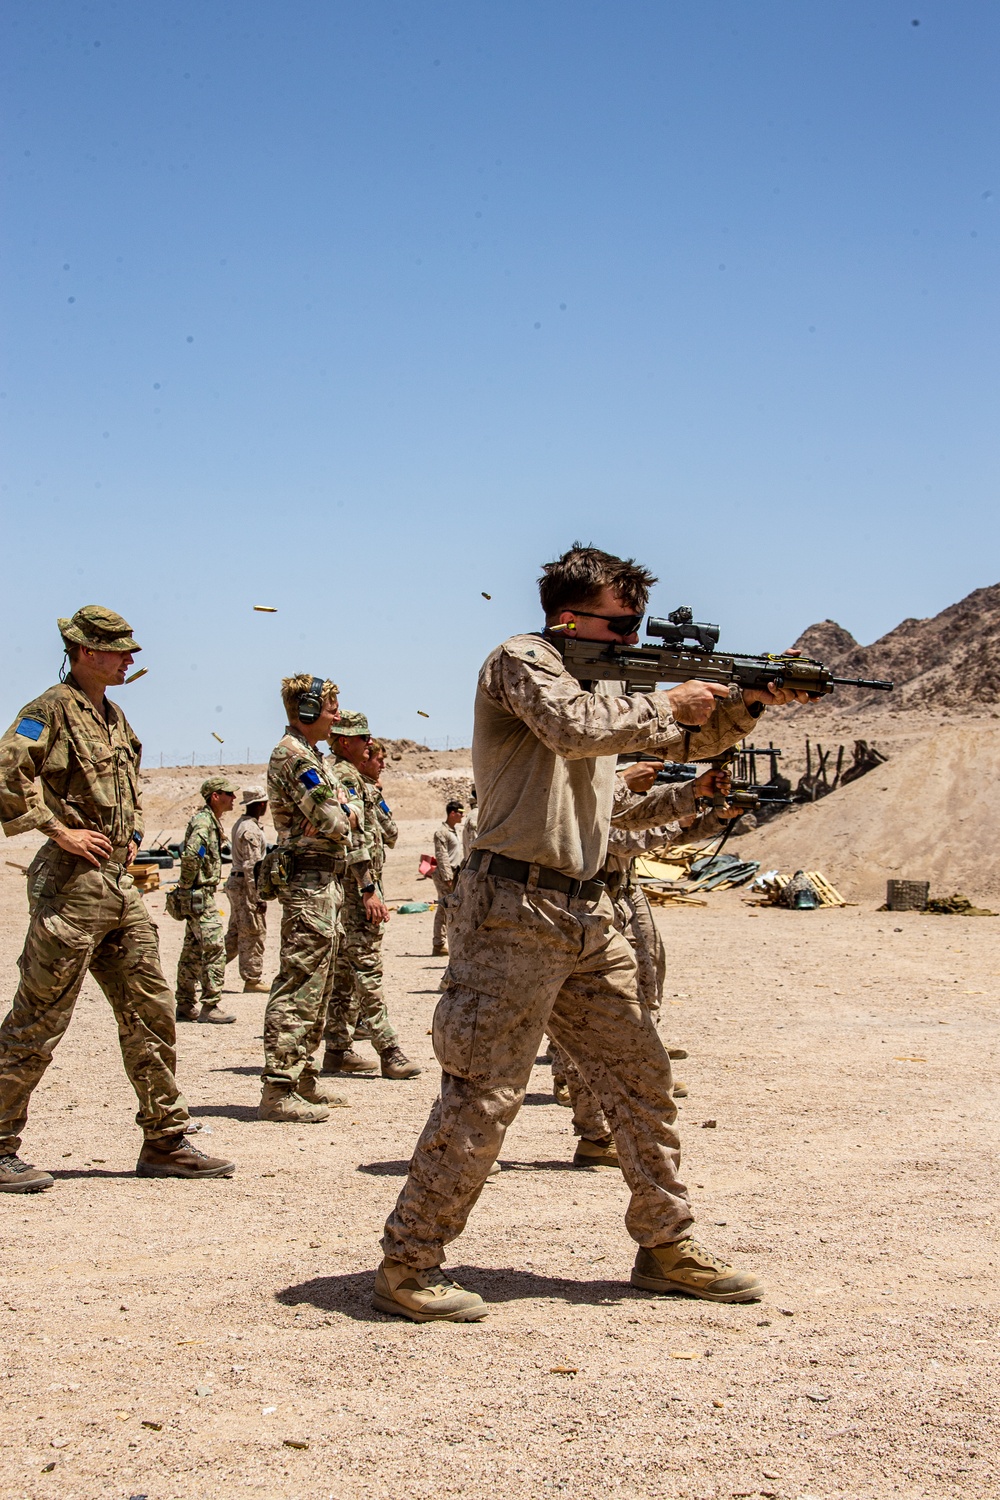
(311, 702)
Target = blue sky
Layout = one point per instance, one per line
(363, 310)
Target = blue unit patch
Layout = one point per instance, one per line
(31, 729)
(201, 852)
(383, 804)
(309, 779)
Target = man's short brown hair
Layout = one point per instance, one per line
(577, 578)
(379, 747)
(292, 689)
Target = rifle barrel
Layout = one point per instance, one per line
(862, 682)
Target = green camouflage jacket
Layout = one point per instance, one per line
(62, 758)
(301, 791)
(201, 862)
(351, 782)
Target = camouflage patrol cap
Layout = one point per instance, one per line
(252, 794)
(217, 784)
(98, 628)
(351, 724)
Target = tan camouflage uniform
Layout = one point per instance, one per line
(526, 957)
(630, 836)
(301, 792)
(247, 928)
(357, 1004)
(448, 853)
(203, 953)
(63, 759)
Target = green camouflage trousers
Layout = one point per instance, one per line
(633, 917)
(246, 931)
(84, 918)
(296, 1009)
(523, 962)
(203, 955)
(357, 1003)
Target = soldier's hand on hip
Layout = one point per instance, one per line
(695, 702)
(85, 843)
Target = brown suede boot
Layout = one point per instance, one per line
(176, 1157)
(310, 1088)
(288, 1107)
(17, 1177)
(396, 1064)
(347, 1061)
(256, 987)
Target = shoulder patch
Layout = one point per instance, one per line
(30, 729)
(383, 804)
(310, 778)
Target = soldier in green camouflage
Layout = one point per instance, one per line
(203, 955)
(316, 834)
(69, 767)
(357, 1003)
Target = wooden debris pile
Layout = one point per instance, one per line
(769, 888)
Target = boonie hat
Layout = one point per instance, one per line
(352, 723)
(253, 794)
(217, 784)
(98, 628)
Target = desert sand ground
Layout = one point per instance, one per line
(178, 1340)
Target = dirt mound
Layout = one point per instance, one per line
(951, 660)
(927, 814)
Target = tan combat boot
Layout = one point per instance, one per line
(396, 1064)
(440, 952)
(595, 1153)
(17, 1177)
(311, 1089)
(425, 1296)
(680, 1089)
(348, 1061)
(214, 1015)
(176, 1157)
(676, 1054)
(187, 1010)
(688, 1267)
(282, 1104)
(561, 1094)
(256, 987)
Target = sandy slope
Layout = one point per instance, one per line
(860, 1183)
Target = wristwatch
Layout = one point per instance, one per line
(369, 889)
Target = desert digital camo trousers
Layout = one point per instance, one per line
(633, 917)
(203, 955)
(84, 918)
(524, 961)
(296, 1009)
(246, 931)
(357, 1004)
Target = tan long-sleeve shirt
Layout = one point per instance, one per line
(544, 748)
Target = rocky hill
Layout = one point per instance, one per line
(951, 660)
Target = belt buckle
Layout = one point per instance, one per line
(575, 887)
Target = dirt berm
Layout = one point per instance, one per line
(928, 814)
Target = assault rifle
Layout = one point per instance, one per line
(688, 653)
(749, 796)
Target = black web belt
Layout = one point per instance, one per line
(548, 880)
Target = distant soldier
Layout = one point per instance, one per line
(448, 853)
(203, 954)
(316, 832)
(69, 767)
(247, 913)
(357, 1004)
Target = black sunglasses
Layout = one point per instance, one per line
(620, 624)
